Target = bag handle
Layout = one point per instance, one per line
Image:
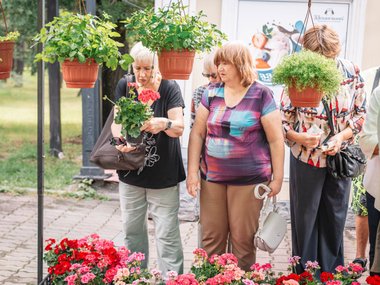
(259, 196)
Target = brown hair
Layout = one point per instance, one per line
(322, 39)
(237, 54)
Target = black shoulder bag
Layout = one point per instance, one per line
(349, 162)
(107, 156)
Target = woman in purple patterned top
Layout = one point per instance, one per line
(238, 132)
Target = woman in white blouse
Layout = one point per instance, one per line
(369, 142)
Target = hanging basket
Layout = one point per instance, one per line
(308, 97)
(176, 64)
(6, 56)
(80, 75)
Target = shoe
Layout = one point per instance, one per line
(361, 261)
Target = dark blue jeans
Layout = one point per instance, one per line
(373, 222)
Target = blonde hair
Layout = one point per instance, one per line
(237, 54)
(208, 61)
(142, 53)
(322, 39)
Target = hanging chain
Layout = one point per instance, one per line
(305, 22)
(5, 20)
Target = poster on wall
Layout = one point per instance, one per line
(272, 29)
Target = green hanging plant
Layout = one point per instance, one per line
(75, 36)
(307, 69)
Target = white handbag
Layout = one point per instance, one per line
(272, 231)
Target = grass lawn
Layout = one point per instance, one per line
(18, 132)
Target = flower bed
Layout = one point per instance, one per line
(92, 260)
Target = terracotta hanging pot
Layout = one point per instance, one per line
(176, 64)
(6, 56)
(308, 97)
(80, 75)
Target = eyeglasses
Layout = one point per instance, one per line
(208, 75)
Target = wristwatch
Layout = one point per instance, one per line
(168, 125)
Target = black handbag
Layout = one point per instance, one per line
(107, 156)
(350, 162)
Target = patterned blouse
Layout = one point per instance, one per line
(195, 100)
(347, 109)
(236, 150)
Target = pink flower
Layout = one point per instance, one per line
(87, 278)
(334, 282)
(290, 282)
(71, 279)
(171, 274)
(200, 252)
(340, 268)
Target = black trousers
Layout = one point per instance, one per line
(373, 222)
(318, 208)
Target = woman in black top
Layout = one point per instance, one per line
(156, 185)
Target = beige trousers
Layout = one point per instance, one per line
(229, 211)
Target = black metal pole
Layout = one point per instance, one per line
(91, 121)
(40, 147)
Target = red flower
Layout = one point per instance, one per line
(326, 276)
(148, 94)
(288, 277)
(133, 85)
(373, 280)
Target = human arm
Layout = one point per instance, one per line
(159, 124)
(368, 138)
(196, 141)
(172, 101)
(273, 130)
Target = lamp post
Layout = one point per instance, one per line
(40, 146)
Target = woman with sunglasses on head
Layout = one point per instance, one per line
(209, 72)
(156, 185)
(237, 132)
(318, 200)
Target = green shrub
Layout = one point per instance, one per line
(308, 69)
(75, 36)
(11, 36)
(170, 28)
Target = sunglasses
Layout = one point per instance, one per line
(117, 141)
(208, 75)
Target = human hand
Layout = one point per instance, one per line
(336, 142)
(122, 145)
(275, 186)
(193, 184)
(154, 125)
(309, 140)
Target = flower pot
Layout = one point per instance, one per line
(135, 141)
(308, 97)
(6, 55)
(80, 75)
(176, 64)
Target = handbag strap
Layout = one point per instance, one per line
(329, 120)
(267, 190)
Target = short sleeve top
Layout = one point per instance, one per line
(236, 149)
(163, 160)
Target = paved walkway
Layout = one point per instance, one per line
(74, 219)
